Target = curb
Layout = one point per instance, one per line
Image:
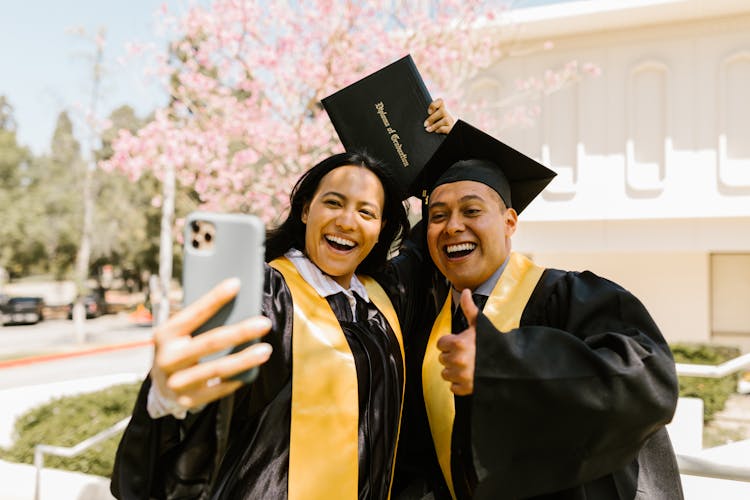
(72, 354)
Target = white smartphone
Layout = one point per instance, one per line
(218, 246)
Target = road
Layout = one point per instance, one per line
(49, 363)
(131, 360)
(58, 334)
(56, 338)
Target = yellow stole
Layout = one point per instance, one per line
(323, 442)
(503, 308)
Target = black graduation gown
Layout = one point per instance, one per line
(238, 447)
(571, 405)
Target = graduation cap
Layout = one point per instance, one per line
(468, 154)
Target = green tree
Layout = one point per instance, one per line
(43, 209)
(122, 207)
(17, 252)
(13, 157)
(127, 218)
(52, 206)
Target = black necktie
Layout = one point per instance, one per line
(462, 465)
(458, 320)
(341, 307)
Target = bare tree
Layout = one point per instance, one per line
(91, 143)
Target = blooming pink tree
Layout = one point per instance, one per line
(246, 78)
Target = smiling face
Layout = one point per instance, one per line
(468, 232)
(343, 221)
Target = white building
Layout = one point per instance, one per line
(653, 156)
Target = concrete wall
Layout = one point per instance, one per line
(674, 287)
(664, 132)
(653, 156)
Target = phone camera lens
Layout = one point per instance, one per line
(195, 226)
(196, 243)
(208, 237)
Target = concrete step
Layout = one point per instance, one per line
(706, 488)
(17, 482)
(702, 488)
(736, 409)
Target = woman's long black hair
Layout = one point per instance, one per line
(291, 232)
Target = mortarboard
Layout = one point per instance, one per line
(470, 154)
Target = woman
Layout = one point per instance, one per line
(322, 418)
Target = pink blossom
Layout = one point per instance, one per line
(247, 76)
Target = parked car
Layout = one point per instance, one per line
(23, 310)
(94, 305)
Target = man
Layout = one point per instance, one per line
(552, 384)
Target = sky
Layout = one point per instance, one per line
(44, 69)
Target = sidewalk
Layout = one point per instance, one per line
(703, 488)
(18, 481)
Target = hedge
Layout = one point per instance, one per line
(67, 421)
(713, 391)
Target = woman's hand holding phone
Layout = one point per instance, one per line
(176, 369)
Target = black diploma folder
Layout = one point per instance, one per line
(383, 114)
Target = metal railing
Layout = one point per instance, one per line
(699, 466)
(696, 466)
(715, 371)
(41, 449)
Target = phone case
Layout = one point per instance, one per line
(219, 246)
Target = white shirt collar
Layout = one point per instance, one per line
(324, 284)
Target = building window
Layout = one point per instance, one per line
(730, 294)
(648, 143)
(734, 122)
(561, 144)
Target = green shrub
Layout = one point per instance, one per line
(69, 420)
(713, 391)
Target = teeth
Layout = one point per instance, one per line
(461, 247)
(341, 241)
